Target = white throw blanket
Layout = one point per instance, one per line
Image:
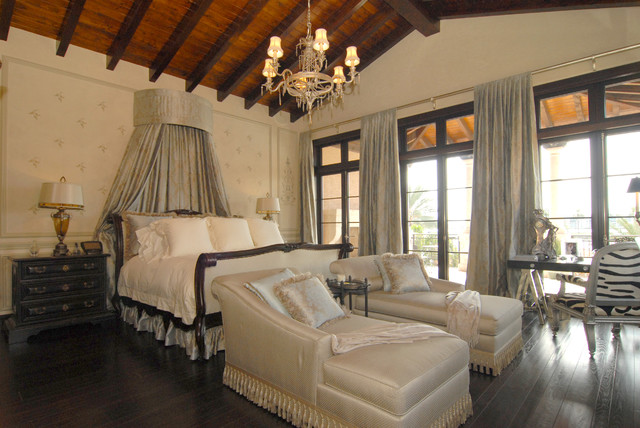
(384, 333)
(464, 315)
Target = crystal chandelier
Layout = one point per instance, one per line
(309, 84)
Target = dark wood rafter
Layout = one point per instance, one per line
(69, 24)
(127, 30)
(286, 26)
(378, 50)
(219, 49)
(5, 18)
(339, 52)
(177, 39)
(468, 132)
(415, 14)
(342, 15)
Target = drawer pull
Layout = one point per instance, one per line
(65, 287)
(39, 311)
(39, 290)
(37, 269)
(65, 308)
(65, 268)
(88, 284)
(89, 266)
(89, 303)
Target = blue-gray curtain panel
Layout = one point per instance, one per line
(308, 225)
(506, 182)
(380, 217)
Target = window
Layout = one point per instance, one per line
(338, 180)
(588, 155)
(437, 170)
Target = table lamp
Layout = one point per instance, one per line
(634, 187)
(268, 206)
(61, 196)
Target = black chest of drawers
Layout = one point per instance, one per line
(51, 292)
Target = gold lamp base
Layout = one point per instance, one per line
(61, 225)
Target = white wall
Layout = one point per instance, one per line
(470, 51)
(70, 116)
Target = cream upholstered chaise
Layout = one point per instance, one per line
(499, 327)
(289, 368)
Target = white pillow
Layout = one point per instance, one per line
(185, 236)
(263, 288)
(308, 299)
(264, 232)
(230, 234)
(152, 244)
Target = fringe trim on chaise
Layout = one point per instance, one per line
(301, 413)
(141, 321)
(455, 415)
(294, 410)
(488, 363)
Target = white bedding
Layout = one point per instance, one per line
(166, 284)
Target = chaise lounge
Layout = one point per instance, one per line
(499, 326)
(289, 368)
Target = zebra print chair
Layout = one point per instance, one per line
(612, 292)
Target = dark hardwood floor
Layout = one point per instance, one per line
(115, 377)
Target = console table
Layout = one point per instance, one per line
(531, 279)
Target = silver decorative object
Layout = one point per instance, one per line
(545, 237)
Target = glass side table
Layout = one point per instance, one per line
(350, 287)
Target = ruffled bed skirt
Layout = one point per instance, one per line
(141, 321)
(488, 363)
(301, 413)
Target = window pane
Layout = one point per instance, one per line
(354, 150)
(421, 137)
(565, 159)
(354, 231)
(354, 210)
(331, 186)
(422, 176)
(460, 172)
(570, 198)
(331, 154)
(354, 183)
(564, 110)
(331, 233)
(459, 180)
(622, 151)
(622, 98)
(460, 130)
(422, 206)
(574, 235)
(331, 210)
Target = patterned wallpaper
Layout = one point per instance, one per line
(59, 125)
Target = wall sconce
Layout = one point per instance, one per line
(61, 196)
(634, 187)
(268, 206)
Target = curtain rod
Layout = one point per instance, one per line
(433, 99)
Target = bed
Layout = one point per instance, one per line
(165, 288)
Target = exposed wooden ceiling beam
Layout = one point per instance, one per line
(69, 25)
(342, 15)
(468, 133)
(284, 28)
(416, 15)
(376, 52)
(126, 32)
(545, 116)
(219, 49)
(177, 39)
(339, 52)
(5, 18)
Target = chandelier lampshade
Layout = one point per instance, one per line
(310, 85)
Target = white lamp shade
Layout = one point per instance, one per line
(275, 48)
(268, 205)
(352, 57)
(268, 70)
(61, 195)
(338, 75)
(321, 43)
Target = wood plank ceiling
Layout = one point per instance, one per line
(222, 44)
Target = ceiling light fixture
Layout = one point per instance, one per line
(309, 84)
